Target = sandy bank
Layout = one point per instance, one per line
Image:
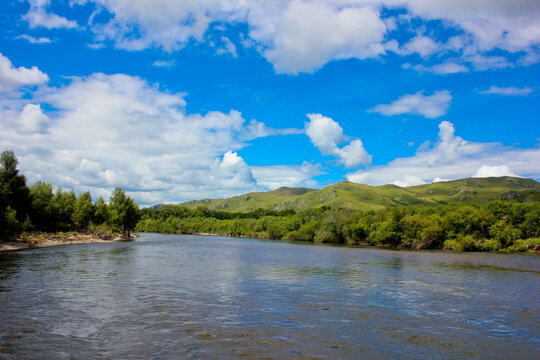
(40, 240)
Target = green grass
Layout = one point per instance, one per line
(346, 194)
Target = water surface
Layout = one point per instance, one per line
(197, 297)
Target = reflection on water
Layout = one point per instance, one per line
(196, 297)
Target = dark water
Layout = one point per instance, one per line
(195, 297)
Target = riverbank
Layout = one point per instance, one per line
(530, 246)
(41, 240)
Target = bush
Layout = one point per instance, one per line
(387, 233)
(461, 243)
(504, 233)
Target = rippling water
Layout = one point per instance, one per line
(196, 297)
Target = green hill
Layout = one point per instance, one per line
(364, 197)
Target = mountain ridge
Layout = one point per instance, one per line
(347, 194)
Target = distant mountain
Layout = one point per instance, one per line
(365, 197)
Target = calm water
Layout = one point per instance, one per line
(196, 297)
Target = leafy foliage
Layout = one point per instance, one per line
(124, 213)
(37, 208)
(489, 227)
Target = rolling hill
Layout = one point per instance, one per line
(365, 197)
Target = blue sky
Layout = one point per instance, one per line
(181, 100)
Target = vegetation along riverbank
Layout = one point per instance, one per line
(494, 214)
(36, 216)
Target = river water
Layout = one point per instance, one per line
(198, 297)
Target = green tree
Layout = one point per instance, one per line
(64, 205)
(101, 212)
(14, 195)
(124, 212)
(83, 211)
(468, 220)
(531, 222)
(42, 206)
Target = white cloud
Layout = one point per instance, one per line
(276, 176)
(308, 34)
(32, 119)
(12, 77)
(409, 180)
(96, 46)
(257, 129)
(233, 173)
(438, 179)
(117, 130)
(422, 45)
(430, 106)
(326, 135)
(140, 24)
(481, 62)
(354, 154)
(509, 25)
(164, 63)
(228, 47)
(508, 91)
(493, 171)
(303, 35)
(37, 16)
(441, 69)
(34, 40)
(452, 157)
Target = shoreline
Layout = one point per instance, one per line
(44, 240)
(530, 249)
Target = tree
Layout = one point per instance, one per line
(42, 206)
(101, 212)
(64, 205)
(83, 211)
(124, 212)
(14, 199)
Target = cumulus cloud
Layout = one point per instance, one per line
(354, 154)
(302, 36)
(508, 91)
(430, 106)
(118, 130)
(509, 25)
(409, 180)
(494, 171)
(311, 33)
(452, 157)
(32, 119)
(139, 24)
(421, 45)
(275, 176)
(233, 172)
(12, 77)
(326, 135)
(37, 16)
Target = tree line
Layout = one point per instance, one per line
(494, 226)
(38, 208)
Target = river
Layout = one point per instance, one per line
(204, 297)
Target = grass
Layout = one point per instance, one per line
(365, 197)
